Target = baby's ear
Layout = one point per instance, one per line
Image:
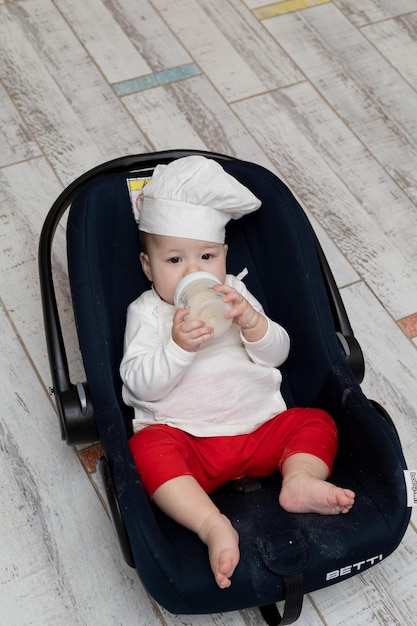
(146, 266)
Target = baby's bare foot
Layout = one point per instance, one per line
(303, 493)
(222, 541)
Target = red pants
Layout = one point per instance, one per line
(162, 452)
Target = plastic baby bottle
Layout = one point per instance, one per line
(195, 292)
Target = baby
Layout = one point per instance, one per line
(209, 409)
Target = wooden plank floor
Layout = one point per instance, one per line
(322, 92)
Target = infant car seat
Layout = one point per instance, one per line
(283, 555)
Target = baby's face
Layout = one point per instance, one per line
(169, 259)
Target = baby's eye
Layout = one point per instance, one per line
(175, 259)
(206, 256)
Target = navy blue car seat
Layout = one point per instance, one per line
(283, 555)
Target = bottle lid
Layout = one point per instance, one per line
(190, 278)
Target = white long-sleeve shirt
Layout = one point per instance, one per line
(228, 387)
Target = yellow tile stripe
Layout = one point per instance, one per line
(288, 6)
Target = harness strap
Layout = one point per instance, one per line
(294, 595)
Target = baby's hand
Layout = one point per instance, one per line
(252, 323)
(189, 334)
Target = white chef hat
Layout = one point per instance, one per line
(193, 198)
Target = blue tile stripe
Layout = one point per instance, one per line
(154, 80)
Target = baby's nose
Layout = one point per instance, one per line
(193, 267)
